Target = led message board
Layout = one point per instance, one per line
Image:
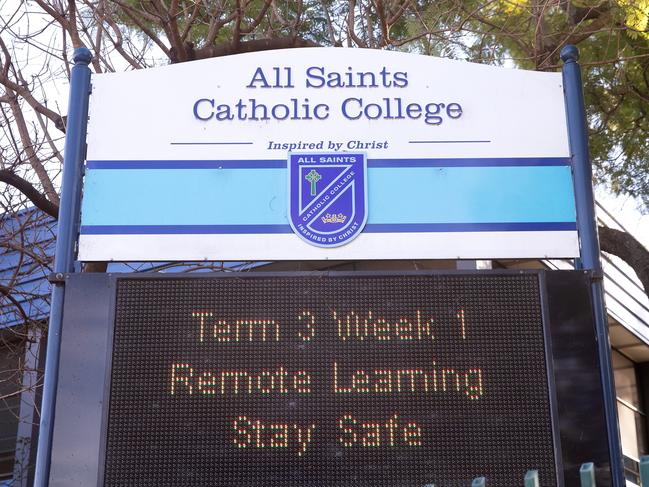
(329, 381)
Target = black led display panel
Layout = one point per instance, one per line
(329, 381)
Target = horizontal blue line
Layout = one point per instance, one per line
(181, 229)
(370, 228)
(197, 164)
(471, 227)
(470, 162)
(449, 141)
(211, 143)
(281, 163)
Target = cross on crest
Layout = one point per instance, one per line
(313, 177)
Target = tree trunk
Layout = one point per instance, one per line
(627, 248)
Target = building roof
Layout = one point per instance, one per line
(27, 247)
(27, 244)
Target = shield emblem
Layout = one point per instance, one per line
(327, 197)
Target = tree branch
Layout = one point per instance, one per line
(26, 94)
(26, 188)
(133, 14)
(251, 46)
(30, 150)
(7, 292)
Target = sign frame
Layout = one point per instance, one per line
(75, 145)
(211, 188)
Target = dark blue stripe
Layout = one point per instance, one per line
(472, 162)
(370, 228)
(471, 227)
(211, 143)
(181, 229)
(449, 141)
(281, 163)
(197, 164)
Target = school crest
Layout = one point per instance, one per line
(327, 197)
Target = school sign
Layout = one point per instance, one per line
(327, 154)
(299, 379)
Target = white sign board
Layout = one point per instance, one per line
(452, 160)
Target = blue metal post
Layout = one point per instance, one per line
(589, 244)
(73, 157)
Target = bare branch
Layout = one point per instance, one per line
(25, 187)
(25, 93)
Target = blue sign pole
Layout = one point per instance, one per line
(589, 244)
(68, 226)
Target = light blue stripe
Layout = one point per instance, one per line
(476, 195)
(397, 195)
(190, 197)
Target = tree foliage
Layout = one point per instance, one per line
(37, 36)
(613, 38)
